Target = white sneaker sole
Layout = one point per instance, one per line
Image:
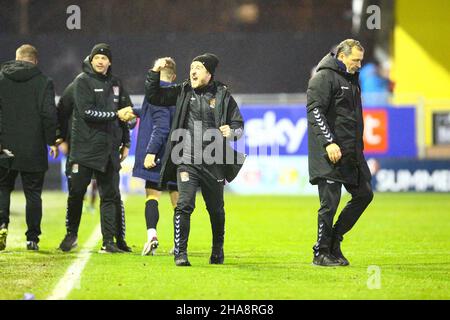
(150, 248)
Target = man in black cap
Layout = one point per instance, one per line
(206, 113)
(97, 147)
(27, 126)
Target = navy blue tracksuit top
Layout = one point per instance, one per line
(153, 132)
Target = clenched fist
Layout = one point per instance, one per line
(149, 161)
(334, 152)
(226, 131)
(161, 63)
(126, 114)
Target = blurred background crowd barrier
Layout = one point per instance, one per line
(268, 51)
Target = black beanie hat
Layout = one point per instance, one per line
(101, 48)
(209, 60)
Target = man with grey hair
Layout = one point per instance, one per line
(335, 148)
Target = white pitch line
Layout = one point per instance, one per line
(73, 274)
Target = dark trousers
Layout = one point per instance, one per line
(330, 196)
(120, 219)
(79, 178)
(32, 187)
(189, 178)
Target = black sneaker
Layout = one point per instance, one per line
(122, 245)
(325, 260)
(3, 236)
(69, 242)
(32, 245)
(110, 247)
(181, 260)
(337, 253)
(217, 257)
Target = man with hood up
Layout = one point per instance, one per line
(335, 148)
(96, 147)
(28, 124)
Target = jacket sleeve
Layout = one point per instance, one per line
(125, 101)
(157, 95)
(138, 110)
(235, 120)
(160, 130)
(319, 96)
(85, 104)
(48, 115)
(64, 111)
(126, 140)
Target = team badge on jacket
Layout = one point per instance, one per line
(184, 176)
(116, 90)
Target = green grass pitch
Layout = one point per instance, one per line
(268, 253)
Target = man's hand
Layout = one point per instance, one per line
(64, 148)
(124, 153)
(54, 152)
(126, 114)
(149, 161)
(159, 64)
(334, 152)
(226, 131)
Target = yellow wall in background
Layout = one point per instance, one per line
(421, 61)
(421, 57)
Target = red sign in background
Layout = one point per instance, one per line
(376, 131)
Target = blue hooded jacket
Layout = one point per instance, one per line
(153, 132)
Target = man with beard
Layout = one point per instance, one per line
(204, 107)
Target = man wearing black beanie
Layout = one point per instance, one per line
(99, 142)
(102, 49)
(209, 61)
(204, 108)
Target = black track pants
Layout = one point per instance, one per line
(189, 179)
(330, 196)
(79, 178)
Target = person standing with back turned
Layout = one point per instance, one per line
(28, 124)
(153, 132)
